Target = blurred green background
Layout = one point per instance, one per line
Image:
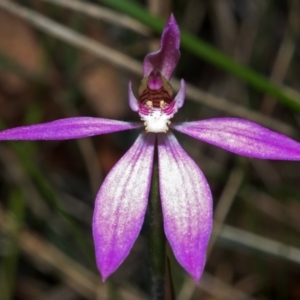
(65, 58)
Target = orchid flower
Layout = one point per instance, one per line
(185, 194)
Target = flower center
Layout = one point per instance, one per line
(156, 105)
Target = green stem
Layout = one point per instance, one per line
(9, 266)
(156, 237)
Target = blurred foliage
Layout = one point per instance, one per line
(246, 51)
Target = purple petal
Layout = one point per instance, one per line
(166, 58)
(180, 97)
(186, 203)
(243, 137)
(65, 129)
(133, 103)
(121, 204)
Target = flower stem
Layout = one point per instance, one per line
(156, 237)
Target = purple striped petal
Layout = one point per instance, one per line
(133, 102)
(180, 97)
(166, 58)
(64, 129)
(121, 204)
(243, 137)
(186, 203)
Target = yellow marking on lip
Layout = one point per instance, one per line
(162, 104)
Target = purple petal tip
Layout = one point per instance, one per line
(166, 58)
(172, 20)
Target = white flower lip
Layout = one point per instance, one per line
(156, 121)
